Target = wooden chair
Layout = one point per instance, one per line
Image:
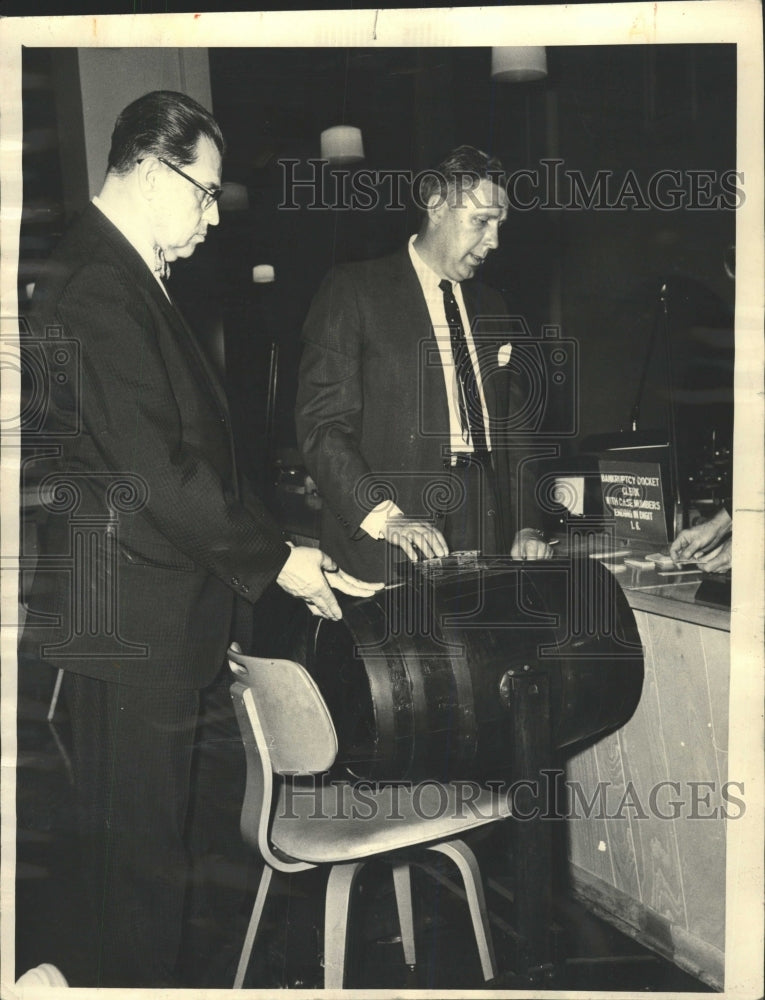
(56, 693)
(42, 975)
(296, 822)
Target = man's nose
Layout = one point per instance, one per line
(491, 239)
(211, 214)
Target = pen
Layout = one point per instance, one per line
(676, 572)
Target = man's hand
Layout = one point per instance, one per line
(412, 535)
(718, 560)
(692, 543)
(530, 544)
(310, 574)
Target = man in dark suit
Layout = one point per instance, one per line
(406, 408)
(144, 501)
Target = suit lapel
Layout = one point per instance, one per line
(125, 256)
(408, 290)
(196, 352)
(198, 358)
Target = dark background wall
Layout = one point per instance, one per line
(595, 272)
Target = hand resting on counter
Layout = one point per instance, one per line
(530, 544)
(707, 543)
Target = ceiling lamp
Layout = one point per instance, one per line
(234, 198)
(342, 144)
(263, 274)
(518, 63)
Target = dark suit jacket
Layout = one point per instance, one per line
(372, 416)
(141, 404)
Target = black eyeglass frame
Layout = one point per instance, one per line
(211, 194)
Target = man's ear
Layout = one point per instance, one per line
(436, 209)
(149, 173)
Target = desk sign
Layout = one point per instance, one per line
(632, 492)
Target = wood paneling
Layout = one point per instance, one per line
(658, 844)
(690, 953)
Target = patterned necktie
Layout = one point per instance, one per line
(161, 267)
(471, 411)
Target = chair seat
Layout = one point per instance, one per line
(297, 821)
(340, 821)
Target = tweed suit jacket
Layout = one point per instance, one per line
(148, 411)
(372, 414)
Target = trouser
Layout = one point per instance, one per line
(222, 866)
(131, 757)
(471, 520)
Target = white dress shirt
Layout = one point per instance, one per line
(374, 523)
(434, 299)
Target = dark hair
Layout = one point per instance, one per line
(162, 123)
(465, 165)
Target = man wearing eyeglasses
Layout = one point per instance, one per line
(161, 539)
(179, 236)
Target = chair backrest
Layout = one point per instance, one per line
(289, 718)
(287, 730)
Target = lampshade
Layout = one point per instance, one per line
(342, 144)
(518, 63)
(234, 197)
(262, 274)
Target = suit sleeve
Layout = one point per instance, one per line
(527, 513)
(329, 410)
(131, 414)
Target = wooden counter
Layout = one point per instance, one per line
(658, 876)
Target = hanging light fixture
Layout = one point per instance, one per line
(263, 274)
(518, 63)
(234, 198)
(342, 144)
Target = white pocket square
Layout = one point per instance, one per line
(503, 354)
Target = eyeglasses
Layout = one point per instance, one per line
(211, 194)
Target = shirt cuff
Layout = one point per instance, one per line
(374, 523)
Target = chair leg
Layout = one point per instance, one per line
(252, 929)
(402, 884)
(339, 886)
(465, 860)
(54, 696)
